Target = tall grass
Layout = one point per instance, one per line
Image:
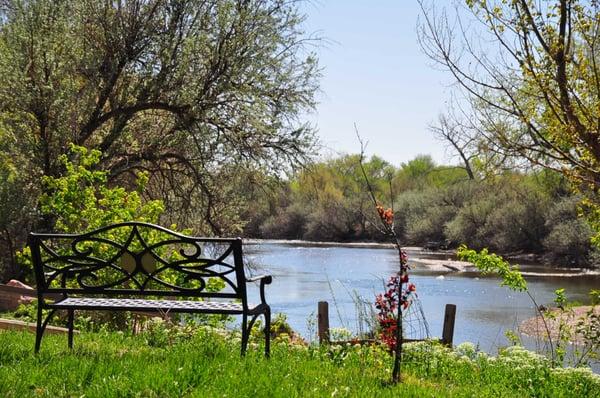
(206, 364)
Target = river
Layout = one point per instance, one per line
(305, 274)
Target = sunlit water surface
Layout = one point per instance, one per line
(303, 275)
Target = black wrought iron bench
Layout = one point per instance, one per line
(137, 266)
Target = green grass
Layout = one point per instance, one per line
(207, 365)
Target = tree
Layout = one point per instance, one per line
(15, 202)
(415, 174)
(457, 138)
(530, 72)
(190, 91)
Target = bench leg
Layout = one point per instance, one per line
(40, 327)
(245, 333)
(70, 326)
(268, 332)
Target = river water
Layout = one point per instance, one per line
(303, 275)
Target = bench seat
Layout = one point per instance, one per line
(120, 304)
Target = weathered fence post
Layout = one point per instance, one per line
(323, 322)
(448, 330)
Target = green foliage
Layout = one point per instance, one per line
(509, 212)
(560, 334)
(493, 264)
(281, 331)
(329, 201)
(422, 215)
(161, 333)
(569, 237)
(560, 298)
(505, 215)
(590, 210)
(415, 173)
(588, 328)
(536, 100)
(512, 337)
(16, 202)
(288, 223)
(81, 199)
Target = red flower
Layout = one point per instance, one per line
(387, 303)
(388, 216)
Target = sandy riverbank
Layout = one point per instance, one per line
(570, 319)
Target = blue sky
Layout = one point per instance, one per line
(376, 76)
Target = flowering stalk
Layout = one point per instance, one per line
(396, 298)
(387, 303)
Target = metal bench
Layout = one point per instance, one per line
(137, 266)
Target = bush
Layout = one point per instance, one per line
(519, 223)
(329, 222)
(288, 223)
(422, 215)
(504, 216)
(569, 237)
(471, 223)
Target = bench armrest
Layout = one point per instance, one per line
(264, 280)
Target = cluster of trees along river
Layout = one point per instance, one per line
(441, 206)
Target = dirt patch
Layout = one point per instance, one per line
(570, 318)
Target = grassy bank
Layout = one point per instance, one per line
(209, 365)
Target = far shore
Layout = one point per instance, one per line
(300, 242)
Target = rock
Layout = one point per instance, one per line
(435, 245)
(16, 283)
(451, 267)
(11, 299)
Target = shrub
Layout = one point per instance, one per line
(518, 224)
(569, 237)
(328, 222)
(288, 223)
(504, 216)
(421, 215)
(471, 223)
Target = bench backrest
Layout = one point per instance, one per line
(140, 259)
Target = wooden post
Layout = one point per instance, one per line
(323, 322)
(448, 330)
